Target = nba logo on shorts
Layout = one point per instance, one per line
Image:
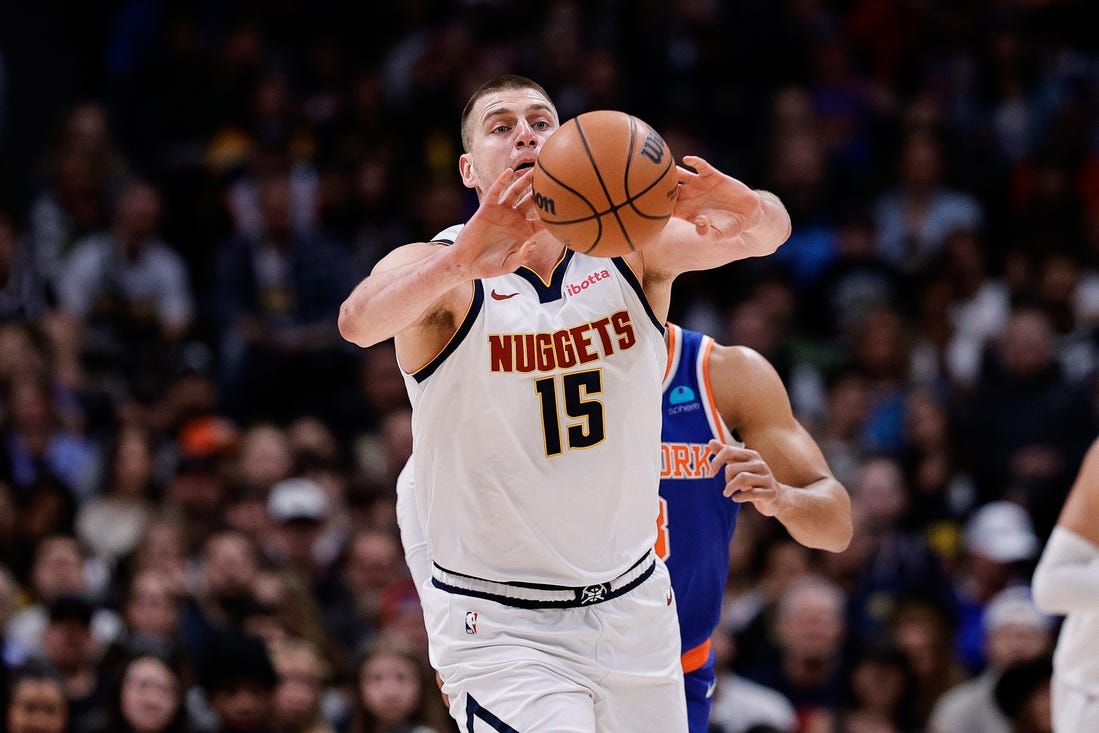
(471, 622)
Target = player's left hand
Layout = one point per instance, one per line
(717, 204)
(748, 478)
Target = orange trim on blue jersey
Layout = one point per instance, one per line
(672, 333)
(707, 347)
(696, 658)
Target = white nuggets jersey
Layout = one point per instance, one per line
(537, 428)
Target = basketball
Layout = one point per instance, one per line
(605, 183)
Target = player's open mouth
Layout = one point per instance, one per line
(524, 166)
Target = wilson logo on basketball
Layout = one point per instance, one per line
(654, 147)
(585, 284)
(545, 203)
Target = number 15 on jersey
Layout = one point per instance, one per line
(583, 423)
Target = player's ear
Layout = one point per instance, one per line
(465, 170)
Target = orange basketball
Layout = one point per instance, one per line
(605, 183)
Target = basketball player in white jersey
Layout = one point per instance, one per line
(1066, 581)
(729, 437)
(535, 378)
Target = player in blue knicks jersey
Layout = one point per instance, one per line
(729, 436)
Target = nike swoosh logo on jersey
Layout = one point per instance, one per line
(498, 296)
(710, 690)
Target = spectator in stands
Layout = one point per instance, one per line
(999, 543)
(238, 680)
(230, 566)
(980, 304)
(266, 457)
(779, 562)
(809, 628)
(395, 692)
(886, 563)
(880, 691)
(279, 293)
(739, 703)
(1027, 426)
(60, 570)
(11, 653)
(35, 702)
(150, 615)
(112, 524)
(880, 352)
(303, 679)
(298, 508)
(372, 565)
(68, 646)
(1023, 696)
(163, 550)
(22, 290)
(129, 288)
(83, 171)
(38, 447)
(145, 693)
(923, 632)
(1015, 631)
(200, 484)
(914, 219)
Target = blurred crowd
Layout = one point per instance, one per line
(197, 527)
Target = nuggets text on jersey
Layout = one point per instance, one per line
(562, 349)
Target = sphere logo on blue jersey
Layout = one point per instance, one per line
(681, 394)
(682, 399)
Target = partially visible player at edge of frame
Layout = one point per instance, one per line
(729, 432)
(1066, 582)
(547, 609)
(717, 400)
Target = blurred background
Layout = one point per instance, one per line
(191, 458)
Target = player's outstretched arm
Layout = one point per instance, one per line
(781, 470)
(717, 220)
(413, 282)
(399, 292)
(1067, 576)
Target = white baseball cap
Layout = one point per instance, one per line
(1014, 606)
(1001, 531)
(297, 498)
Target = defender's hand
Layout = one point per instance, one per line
(748, 478)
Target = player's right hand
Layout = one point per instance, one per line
(492, 241)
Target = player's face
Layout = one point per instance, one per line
(507, 128)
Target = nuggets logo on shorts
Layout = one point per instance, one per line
(594, 594)
(471, 622)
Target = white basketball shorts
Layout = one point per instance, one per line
(597, 665)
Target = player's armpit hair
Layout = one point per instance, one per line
(442, 319)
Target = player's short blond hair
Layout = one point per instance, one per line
(496, 84)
